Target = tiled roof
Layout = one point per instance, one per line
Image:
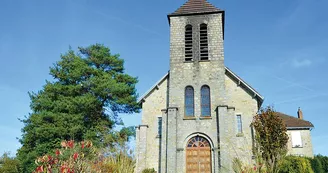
(293, 122)
(195, 6)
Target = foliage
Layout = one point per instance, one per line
(89, 90)
(271, 138)
(149, 170)
(83, 157)
(8, 164)
(239, 167)
(73, 157)
(121, 162)
(316, 165)
(295, 164)
(319, 164)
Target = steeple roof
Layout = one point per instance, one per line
(195, 7)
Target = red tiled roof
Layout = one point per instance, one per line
(291, 121)
(196, 6)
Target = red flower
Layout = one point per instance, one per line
(57, 152)
(82, 144)
(39, 169)
(75, 156)
(254, 168)
(63, 168)
(70, 144)
(49, 158)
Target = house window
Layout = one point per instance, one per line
(203, 42)
(296, 139)
(239, 125)
(159, 126)
(189, 101)
(188, 43)
(205, 101)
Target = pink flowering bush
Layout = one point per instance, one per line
(71, 158)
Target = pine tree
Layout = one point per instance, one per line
(82, 102)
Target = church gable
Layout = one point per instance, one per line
(153, 101)
(229, 76)
(237, 88)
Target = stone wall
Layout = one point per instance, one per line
(306, 149)
(151, 110)
(196, 74)
(246, 106)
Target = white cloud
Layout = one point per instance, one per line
(298, 63)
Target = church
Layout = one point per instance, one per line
(197, 117)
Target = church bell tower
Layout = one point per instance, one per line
(196, 87)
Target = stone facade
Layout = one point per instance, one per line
(162, 146)
(306, 148)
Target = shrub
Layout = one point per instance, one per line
(71, 158)
(8, 164)
(149, 170)
(118, 163)
(294, 164)
(316, 165)
(239, 167)
(320, 164)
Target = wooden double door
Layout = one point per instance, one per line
(198, 156)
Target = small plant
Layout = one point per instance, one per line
(239, 167)
(149, 170)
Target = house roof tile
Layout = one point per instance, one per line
(293, 122)
(194, 7)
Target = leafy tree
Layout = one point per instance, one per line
(271, 138)
(295, 164)
(324, 162)
(8, 164)
(82, 102)
(316, 165)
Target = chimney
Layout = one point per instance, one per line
(300, 113)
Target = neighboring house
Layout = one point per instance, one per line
(197, 117)
(300, 143)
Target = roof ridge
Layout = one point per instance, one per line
(196, 6)
(292, 121)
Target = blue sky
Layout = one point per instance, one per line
(279, 47)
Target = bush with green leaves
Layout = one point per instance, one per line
(295, 164)
(9, 164)
(316, 165)
(319, 164)
(149, 170)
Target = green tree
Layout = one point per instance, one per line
(271, 138)
(316, 165)
(295, 164)
(8, 164)
(82, 102)
(323, 161)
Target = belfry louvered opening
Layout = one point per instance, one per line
(203, 42)
(188, 43)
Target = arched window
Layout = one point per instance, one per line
(203, 42)
(205, 101)
(198, 141)
(188, 43)
(189, 101)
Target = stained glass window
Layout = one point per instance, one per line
(205, 101)
(198, 141)
(189, 101)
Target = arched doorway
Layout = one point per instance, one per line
(198, 155)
